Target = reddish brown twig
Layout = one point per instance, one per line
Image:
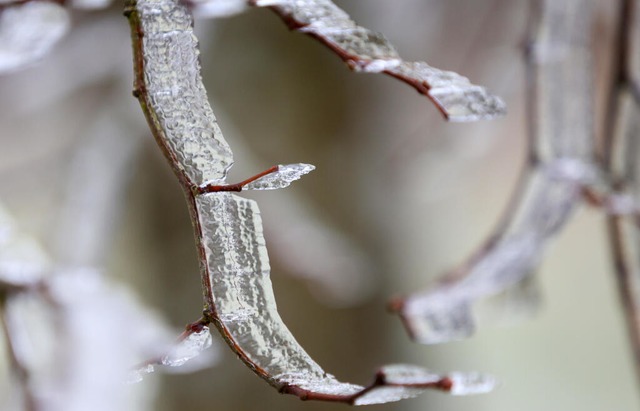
(364, 50)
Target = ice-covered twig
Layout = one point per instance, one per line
(273, 178)
(192, 343)
(561, 163)
(62, 358)
(397, 381)
(238, 295)
(72, 334)
(244, 309)
(310, 247)
(367, 51)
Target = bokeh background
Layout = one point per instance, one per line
(398, 198)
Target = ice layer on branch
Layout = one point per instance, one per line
(71, 336)
(239, 298)
(562, 164)
(241, 291)
(367, 51)
(281, 178)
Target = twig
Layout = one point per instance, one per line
(234, 265)
(367, 51)
(560, 162)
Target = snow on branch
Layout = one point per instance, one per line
(235, 270)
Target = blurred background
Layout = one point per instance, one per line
(398, 198)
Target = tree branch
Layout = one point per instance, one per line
(366, 51)
(234, 265)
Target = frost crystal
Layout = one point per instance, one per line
(281, 178)
(28, 31)
(238, 267)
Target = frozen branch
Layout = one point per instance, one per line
(62, 357)
(367, 51)
(238, 296)
(71, 336)
(561, 163)
(310, 247)
(194, 342)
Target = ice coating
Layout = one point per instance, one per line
(367, 51)
(444, 313)
(193, 344)
(239, 298)
(471, 383)
(281, 178)
(190, 347)
(384, 394)
(29, 31)
(240, 288)
(551, 188)
(74, 362)
(407, 374)
(180, 114)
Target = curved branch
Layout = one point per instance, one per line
(367, 51)
(560, 163)
(235, 270)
